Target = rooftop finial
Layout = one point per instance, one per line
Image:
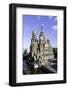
(33, 31)
(42, 27)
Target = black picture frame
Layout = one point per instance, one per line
(12, 43)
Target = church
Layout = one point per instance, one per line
(40, 49)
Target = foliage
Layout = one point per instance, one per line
(25, 51)
(55, 52)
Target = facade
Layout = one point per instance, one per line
(40, 49)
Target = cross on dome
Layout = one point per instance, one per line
(42, 27)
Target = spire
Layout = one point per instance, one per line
(33, 31)
(42, 38)
(48, 41)
(42, 28)
(42, 33)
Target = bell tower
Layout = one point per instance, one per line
(34, 44)
(42, 40)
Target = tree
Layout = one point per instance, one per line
(25, 51)
(55, 52)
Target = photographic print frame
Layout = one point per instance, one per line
(13, 43)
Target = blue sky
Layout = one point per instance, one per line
(35, 21)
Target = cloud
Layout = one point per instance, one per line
(54, 27)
